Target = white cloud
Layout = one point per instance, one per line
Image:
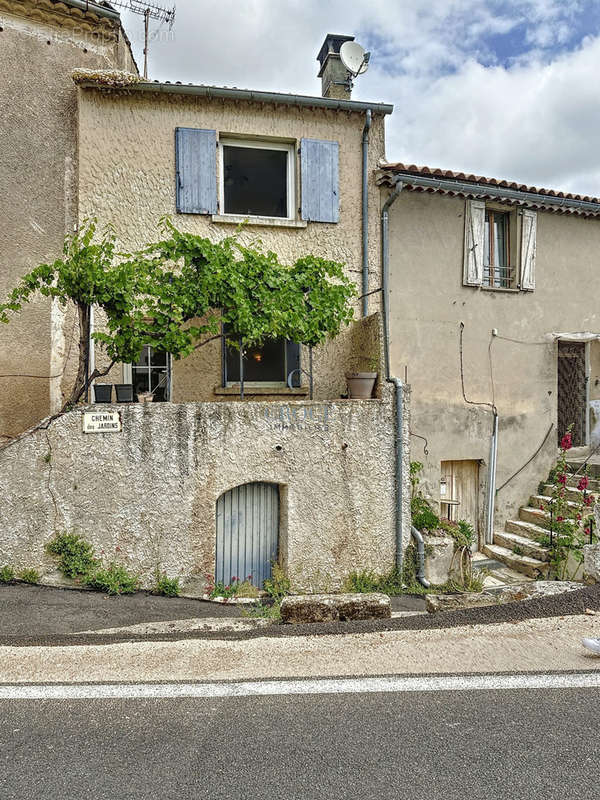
(456, 106)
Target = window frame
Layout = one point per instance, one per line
(128, 374)
(259, 144)
(512, 278)
(254, 384)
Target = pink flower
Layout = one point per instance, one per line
(560, 519)
(583, 484)
(578, 517)
(566, 443)
(542, 507)
(562, 478)
(589, 499)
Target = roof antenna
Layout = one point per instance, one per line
(148, 11)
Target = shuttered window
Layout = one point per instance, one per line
(474, 243)
(319, 166)
(196, 171)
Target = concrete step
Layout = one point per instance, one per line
(532, 567)
(593, 483)
(572, 493)
(537, 500)
(522, 544)
(593, 469)
(535, 515)
(528, 529)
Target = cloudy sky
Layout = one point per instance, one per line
(504, 88)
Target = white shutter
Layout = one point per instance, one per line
(474, 242)
(528, 234)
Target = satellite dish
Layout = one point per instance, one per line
(354, 58)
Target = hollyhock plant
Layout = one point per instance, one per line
(583, 483)
(566, 443)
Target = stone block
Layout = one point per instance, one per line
(300, 609)
(439, 549)
(591, 563)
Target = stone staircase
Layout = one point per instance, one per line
(518, 545)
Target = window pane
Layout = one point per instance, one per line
(500, 240)
(159, 384)
(140, 380)
(144, 359)
(266, 363)
(159, 358)
(255, 181)
(486, 240)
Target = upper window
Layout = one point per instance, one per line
(497, 269)
(257, 179)
(500, 247)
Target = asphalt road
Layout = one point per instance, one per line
(463, 745)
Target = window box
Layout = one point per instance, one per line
(103, 392)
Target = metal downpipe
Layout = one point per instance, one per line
(398, 385)
(417, 536)
(365, 213)
(491, 499)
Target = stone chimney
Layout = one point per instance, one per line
(333, 74)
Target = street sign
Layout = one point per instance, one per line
(101, 422)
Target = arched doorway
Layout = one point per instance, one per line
(247, 532)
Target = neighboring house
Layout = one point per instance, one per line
(40, 45)
(516, 268)
(207, 484)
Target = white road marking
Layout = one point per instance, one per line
(442, 683)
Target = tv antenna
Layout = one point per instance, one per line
(148, 11)
(355, 59)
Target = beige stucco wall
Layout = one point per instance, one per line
(40, 44)
(146, 496)
(428, 303)
(127, 177)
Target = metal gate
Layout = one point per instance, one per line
(572, 391)
(247, 532)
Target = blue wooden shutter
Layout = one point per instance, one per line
(196, 171)
(292, 361)
(319, 161)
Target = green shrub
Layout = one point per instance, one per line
(423, 517)
(29, 576)
(168, 587)
(75, 555)
(7, 574)
(362, 581)
(114, 579)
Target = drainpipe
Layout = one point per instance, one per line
(416, 534)
(365, 214)
(398, 386)
(491, 498)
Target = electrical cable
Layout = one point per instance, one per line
(462, 377)
(527, 463)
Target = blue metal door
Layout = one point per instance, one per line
(247, 532)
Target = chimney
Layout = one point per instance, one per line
(333, 74)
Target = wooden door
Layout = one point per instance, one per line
(462, 490)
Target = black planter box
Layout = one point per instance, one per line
(124, 392)
(103, 392)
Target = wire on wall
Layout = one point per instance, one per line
(462, 377)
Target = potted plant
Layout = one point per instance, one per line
(361, 384)
(145, 397)
(124, 392)
(103, 392)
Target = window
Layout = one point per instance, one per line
(257, 179)
(497, 270)
(270, 363)
(151, 373)
(492, 257)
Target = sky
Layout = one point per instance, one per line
(501, 88)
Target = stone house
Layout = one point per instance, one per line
(501, 323)
(206, 484)
(41, 43)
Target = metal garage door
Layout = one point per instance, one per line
(247, 532)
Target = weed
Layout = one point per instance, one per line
(7, 574)
(75, 555)
(278, 585)
(247, 589)
(168, 587)
(518, 550)
(29, 576)
(48, 457)
(114, 579)
(263, 611)
(227, 591)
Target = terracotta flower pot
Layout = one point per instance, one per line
(361, 384)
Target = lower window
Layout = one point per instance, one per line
(151, 373)
(269, 363)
